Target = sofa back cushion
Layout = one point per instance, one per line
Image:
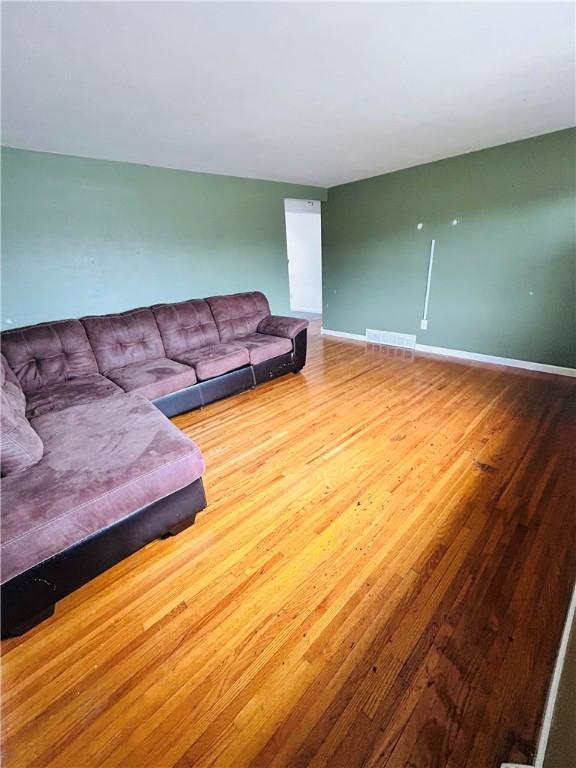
(20, 445)
(48, 353)
(186, 326)
(124, 338)
(238, 314)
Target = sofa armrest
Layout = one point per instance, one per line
(287, 327)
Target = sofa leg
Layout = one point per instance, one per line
(180, 526)
(15, 630)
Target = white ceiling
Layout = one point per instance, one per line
(318, 93)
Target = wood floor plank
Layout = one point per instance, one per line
(380, 579)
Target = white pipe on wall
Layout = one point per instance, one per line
(424, 323)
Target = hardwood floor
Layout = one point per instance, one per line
(380, 579)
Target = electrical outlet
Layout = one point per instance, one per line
(423, 325)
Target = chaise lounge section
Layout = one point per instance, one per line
(91, 468)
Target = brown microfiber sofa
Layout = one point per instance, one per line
(91, 468)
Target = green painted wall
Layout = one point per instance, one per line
(504, 280)
(89, 236)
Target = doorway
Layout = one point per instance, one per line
(304, 248)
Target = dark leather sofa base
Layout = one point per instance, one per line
(206, 392)
(271, 369)
(29, 598)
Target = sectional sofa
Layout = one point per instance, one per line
(91, 467)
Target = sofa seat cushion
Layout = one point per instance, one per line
(48, 353)
(102, 461)
(238, 314)
(153, 378)
(262, 347)
(216, 359)
(56, 397)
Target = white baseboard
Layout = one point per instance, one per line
(493, 360)
(306, 309)
(544, 734)
(475, 356)
(555, 684)
(344, 335)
